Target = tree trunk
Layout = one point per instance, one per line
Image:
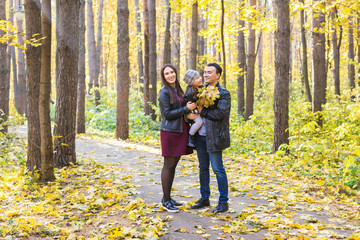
(92, 50)
(304, 66)
(123, 68)
(260, 61)
(81, 68)
(33, 68)
(336, 53)
(242, 67)
(146, 60)
(167, 50)
(223, 41)
(66, 82)
(176, 41)
(21, 72)
(319, 77)
(139, 48)
(4, 76)
(351, 68)
(47, 156)
(282, 67)
(250, 74)
(152, 53)
(201, 47)
(194, 35)
(98, 54)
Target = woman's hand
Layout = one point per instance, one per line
(191, 105)
(192, 116)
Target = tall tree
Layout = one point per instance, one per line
(336, 51)
(194, 35)
(223, 41)
(139, 48)
(92, 51)
(242, 66)
(47, 156)
(351, 55)
(250, 70)
(146, 92)
(282, 67)
(260, 61)
(304, 64)
(176, 41)
(66, 81)
(33, 68)
(123, 68)
(167, 50)
(153, 57)
(319, 71)
(201, 46)
(81, 68)
(4, 73)
(99, 48)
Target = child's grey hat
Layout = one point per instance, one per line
(190, 76)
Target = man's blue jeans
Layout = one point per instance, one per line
(217, 166)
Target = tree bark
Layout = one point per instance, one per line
(66, 82)
(176, 41)
(139, 48)
(123, 68)
(81, 68)
(223, 41)
(260, 61)
(21, 97)
(319, 75)
(4, 76)
(153, 57)
(250, 74)
(336, 53)
(242, 67)
(98, 51)
(351, 68)
(146, 60)
(194, 35)
(167, 50)
(304, 65)
(282, 67)
(47, 156)
(33, 68)
(201, 47)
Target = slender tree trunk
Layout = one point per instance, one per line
(33, 68)
(242, 67)
(201, 47)
(319, 77)
(123, 67)
(139, 48)
(98, 54)
(194, 35)
(153, 57)
(176, 42)
(21, 72)
(250, 74)
(282, 67)
(146, 60)
(351, 68)
(167, 50)
(336, 54)
(304, 66)
(66, 82)
(47, 156)
(260, 61)
(4, 76)
(81, 69)
(223, 41)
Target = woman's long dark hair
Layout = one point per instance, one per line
(173, 94)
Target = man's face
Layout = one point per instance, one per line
(210, 75)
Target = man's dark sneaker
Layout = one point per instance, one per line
(201, 203)
(175, 202)
(191, 141)
(222, 207)
(169, 206)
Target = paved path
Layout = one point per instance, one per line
(146, 164)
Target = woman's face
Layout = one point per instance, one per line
(170, 76)
(197, 82)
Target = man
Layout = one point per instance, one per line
(211, 139)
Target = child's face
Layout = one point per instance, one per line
(197, 82)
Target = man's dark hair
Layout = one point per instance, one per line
(217, 66)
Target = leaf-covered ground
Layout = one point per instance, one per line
(115, 192)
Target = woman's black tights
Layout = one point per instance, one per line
(167, 175)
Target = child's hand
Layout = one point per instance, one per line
(200, 108)
(191, 105)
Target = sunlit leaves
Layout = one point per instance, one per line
(207, 96)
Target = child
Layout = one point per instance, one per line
(193, 80)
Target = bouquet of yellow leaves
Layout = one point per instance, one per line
(207, 96)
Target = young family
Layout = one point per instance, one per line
(209, 132)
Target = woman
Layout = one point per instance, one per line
(173, 131)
